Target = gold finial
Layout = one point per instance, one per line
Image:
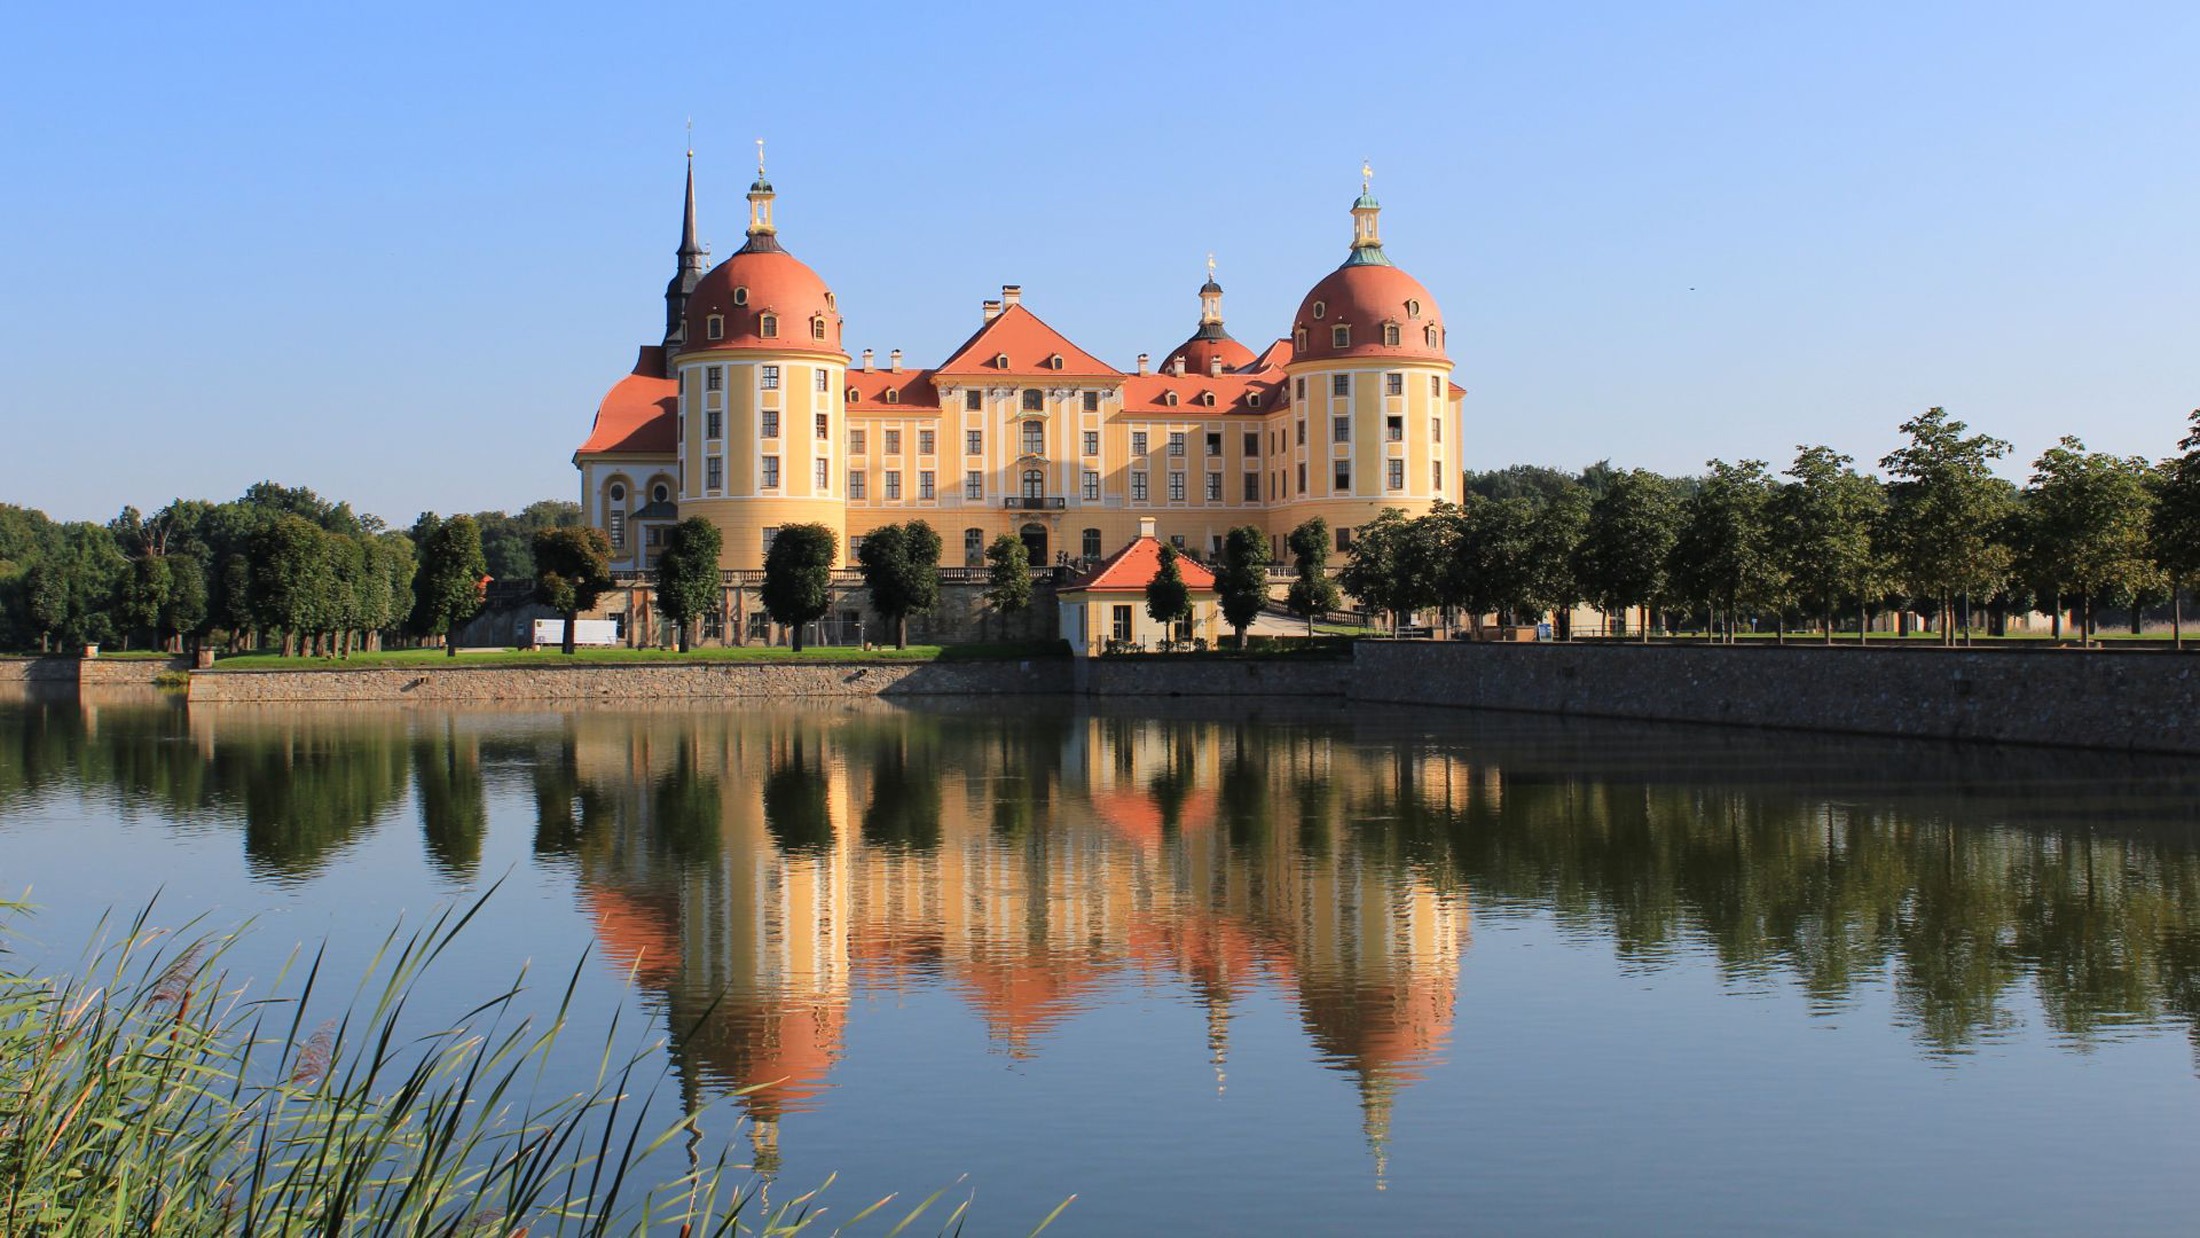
(760, 159)
(1367, 175)
(691, 137)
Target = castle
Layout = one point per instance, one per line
(749, 411)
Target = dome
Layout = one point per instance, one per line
(758, 280)
(1209, 342)
(1365, 298)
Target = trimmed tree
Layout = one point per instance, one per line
(1944, 509)
(1312, 592)
(2174, 534)
(1723, 554)
(1621, 561)
(572, 570)
(1241, 580)
(798, 576)
(1008, 575)
(901, 568)
(1168, 598)
(1823, 522)
(687, 574)
(447, 588)
(2088, 516)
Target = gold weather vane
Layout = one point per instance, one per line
(760, 159)
(1367, 175)
(1210, 264)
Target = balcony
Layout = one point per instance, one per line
(1034, 503)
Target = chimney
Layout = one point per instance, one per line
(992, 310)
(1214, 367)
(866, 360)
(1145, 526)
(1177, 366)
(1012, 294)
(1142, 363)
(893, 361)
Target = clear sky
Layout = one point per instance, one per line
(397, 253)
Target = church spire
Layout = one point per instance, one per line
(694, 260)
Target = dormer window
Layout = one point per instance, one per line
(1000, 361)
(1390, 334)
(832, 302)
(1054, 362)
(893, 396)
(1169, 398)
(1340, 336)
(1298, 339)
(1428, 333)
(714, 328)
(1320, 308)
(767, 325)
(1413, 309)
(740, 296)
(1207, 398)
(854, 395)
(817, 327)
(1252, 399)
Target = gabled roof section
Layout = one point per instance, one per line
(1147, 395)
(639, 415)
(1275, 356)
(911, 390)
(1029, 344)
(1130, 569)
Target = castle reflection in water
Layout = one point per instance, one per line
(757, 871)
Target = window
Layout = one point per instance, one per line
(1394, 384)
(1341, 479)
(1214, 443)
(714, 424)
(1298, 342)
(1340, 336)
(1169, 398)
(618, 530)
(1320, 308)
(771, 378)
(1428, 334)
(973, 547)
(856, 442)
(974, 399)
(824, 380)
(855, 483)
(1436, 476)
(1092, 401)
(1091, 544)
(714, 327)
(1344, 538)
(1435, 429)
(659, 493)
(893, 483)
(1000, 361)
(853, 395)
(740, 296)
(1252, 487)
(1034, 400)
(1138, 486)
(817, 328)
(1176, 442)
(1252, 443)
(974, 484)
(893, 442)
(1252, 399)
(824, 478)
(1035, 438)
(1302, 477)
(760, 625)
(767, 325)
(771, 472)
(770, 427)
(1054, 362)
(1214, 487)
(1390, 334)
(1436, 386)
(714, 473)
(1120, 622)
(1340, 384)
(1340, 429)
(714, 379)
(1138, 442)
(974, 442)
(1092, 442)
(1301, 385)
(924, 484)
(1302, 431)
(893, 395)
(1092, 486)
(1176, 487)
(1413, 309)
(1394, 429)
(824, 426)
(1394, 474)
(771, 534)
(1207, 398)
(618, 493)
(926, 441)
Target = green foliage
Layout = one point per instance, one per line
(572, 570)
(798, 576)
(1494, 565)
(508, 541)
(901, 569)
(1312, 592)
(688, 574)
(2174, 535)
(1823, 524)
(1241, 579)
(2087, 516)
(1396, 566)
(1944, 510)
(447, 588)
(1725, 556)
(1168, 598)
(1628, 541)
(1008, 574)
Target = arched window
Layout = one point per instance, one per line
(893, 396)
(1320, 308)
(1298, 339)
(817, 327)
(1340, 336)
(714, 327)
(1169, 398)
(832, 302)
(1035, 483)
(1413, 309)
(1034, 400)
(1390, 334)
(973, 547)
(1000, 361)
(1428, 334)
(767, 325)
(1054, 362)
(854, 395)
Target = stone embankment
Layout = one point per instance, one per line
(632, 683)
(87, 672)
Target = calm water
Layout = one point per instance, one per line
(1342, 971)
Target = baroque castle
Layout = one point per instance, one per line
(750, 411)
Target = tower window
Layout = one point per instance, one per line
(832, 302)
(1413, 309)
(974, 399)
(973, 442)
(740, 296)
(1435, 429)
(714, 424)
(714, 378)
(1340, 429)
(714, 473)
(1340, 336)
(1092, 401)
(767, 325)
(771, 472)
(1436, 476)
(824, 380)
(817, 327)
(770, 426)
(1320, 308)
(1390, 334)
(1034, 400)
(1394, 384)
(824, 425)
(714, 327)
(771, 378)
(1436, 386)
(1298, 339)
(1395, 474)
(1340, 384)
(1301, 385)
(824, 476)
(1341, 479)
(1428, 334)
(893, 396)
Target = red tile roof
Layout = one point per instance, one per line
(912, 389)
(1147, 394)
(1130, 569)
(1028, 343)
(639, 414)
(1364, 298)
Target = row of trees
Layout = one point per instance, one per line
(1939, 534)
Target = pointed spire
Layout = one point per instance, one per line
(694, 260)
(690, 248)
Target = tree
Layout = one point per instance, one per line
(1627, 543)
(2088, 517)
(1394, 567)
(1943, 510)
(1008, 574)
(1723, 552)
(687, 574)
(1168, 598)
(1242, 579)
(1493, 565)
(1312, 592)
(1822, 533)
(1553, 537)
(901, 568)
(293, 580)
(798, 576)
(572, 570)
(447, 587)
(2174, 535)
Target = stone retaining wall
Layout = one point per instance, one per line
(631, 683)
(1163, 675)
(2137, 702)
(88, 672)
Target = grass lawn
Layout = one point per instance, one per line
(428, 659)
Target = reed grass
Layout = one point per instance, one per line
(154, 1094)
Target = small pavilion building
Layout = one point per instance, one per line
(1104, 607)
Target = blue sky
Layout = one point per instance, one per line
(397, 253)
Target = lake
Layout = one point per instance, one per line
(1216, 967)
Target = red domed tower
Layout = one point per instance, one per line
(1210, 350)
(1377, 424)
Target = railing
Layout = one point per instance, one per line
(1032, 503)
